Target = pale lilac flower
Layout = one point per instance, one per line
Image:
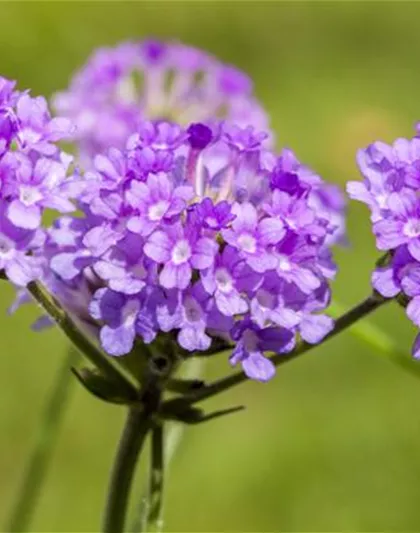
(180, 250)
(155, 200)
(192, 313)
(401, 225)
(251, 344)
(15, 243)
(225, 281)
(213, 216)
(124, 317)
(36, 187)
(253, 238)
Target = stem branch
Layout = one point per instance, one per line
(345, 321)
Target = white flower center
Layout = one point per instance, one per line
(284, 263)
(381, 200)
(181, 252)
(129, 312)
(157, 211)
(29, 195)
(223, 280)
(247, 243)
(412, 228)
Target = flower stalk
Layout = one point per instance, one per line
(345, 321)
(154, 522)
(134, 434)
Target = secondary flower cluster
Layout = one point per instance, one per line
(32, 178)
(120, 87)
(200, 234)
(390, 189)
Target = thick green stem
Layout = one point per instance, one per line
(345, 321)
(106, 364)
(154, 519)
(139, 422)
(194, 368)
(134, 434)
(47, 432)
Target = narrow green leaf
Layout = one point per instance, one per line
(381, 341)
(102, 387)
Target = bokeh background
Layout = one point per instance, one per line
(332, 444)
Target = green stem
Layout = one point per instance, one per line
(103, 362)
(194, 368)
(139, 422)
(134, 434)
(154, 519)
(345, 321)
(47, 432)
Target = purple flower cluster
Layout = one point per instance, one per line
(189, 230)
(390, 189)
(33, 177)
(197, 234)
(120, 87)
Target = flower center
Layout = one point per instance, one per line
(412, 228)
(29, 195)
(129, 313)
(181, 252)
(247, 243)
(284, 264)
(223, 280)
(381, 200)
(157, 211)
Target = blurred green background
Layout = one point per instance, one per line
(332, 444)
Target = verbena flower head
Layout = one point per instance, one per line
(195, 235)
(120, 87)
(390, 189)
(190, 231)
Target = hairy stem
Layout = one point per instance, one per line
(106, 364)
(41, 454)
(343, 322)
